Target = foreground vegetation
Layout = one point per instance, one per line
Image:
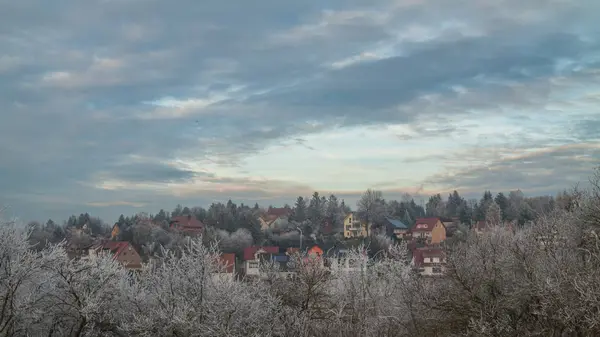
(536, 280)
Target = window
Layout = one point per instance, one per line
(436, 260)
(253, 264)
(426, 260)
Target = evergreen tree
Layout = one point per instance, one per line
(316, 209)
(502, 202)
(407, 219)
(435, 206)
(300, 210)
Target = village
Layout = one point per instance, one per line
(425, 243)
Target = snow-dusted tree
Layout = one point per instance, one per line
(20, 273)
(82, 297)
(374, 301)
(309, 284)
(181, 297)
(493, 214)
(235, 242)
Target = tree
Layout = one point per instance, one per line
(300, 210)
(493, 215)
(407, 219)
(502, 202)
(435, 206)
(181, 297)
(454, 204)
(334, 213)
(371, 208)
(316, 209)
(82, 294)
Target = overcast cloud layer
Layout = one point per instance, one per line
(135, 105)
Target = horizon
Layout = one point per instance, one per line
(420, 200)
(123, 107)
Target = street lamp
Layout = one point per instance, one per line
(300, 230)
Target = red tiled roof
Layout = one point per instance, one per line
(227, 260)
(425, 224)
(115, 247)
(277, 212)
(250, 251)
(188, 223)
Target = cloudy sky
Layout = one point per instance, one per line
(121, 106)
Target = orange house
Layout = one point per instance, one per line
(431, 229)
(115, 231)
(315, 251)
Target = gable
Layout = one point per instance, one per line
(426, 224)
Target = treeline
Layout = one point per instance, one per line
(536, 280)
(237, 226)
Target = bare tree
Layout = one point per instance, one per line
(371, 207)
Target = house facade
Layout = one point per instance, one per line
(396, 228)
(429, 261)
(227, 268)
(274, 217)
(353, 227)
(122, 251)
(253, 256)
(430, 229)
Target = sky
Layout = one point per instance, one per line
(126, 106)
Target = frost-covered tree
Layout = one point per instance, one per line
(493, 214)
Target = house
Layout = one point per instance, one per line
(451, 225)
(227, 268)
(273, 216)
(187, 224)
(122, 251)
(430, 229)
(252, 258)
(284, 266)
(116, 229)
(354, 228)
(314, 251)
(429, 261)
(395, 228)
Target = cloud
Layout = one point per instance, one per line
(545, 171)
(123, 105)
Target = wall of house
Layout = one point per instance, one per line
(400, 233)
(263, 224)
(252, 267)
(433, 270)
(357, 232)
(438, 234)
(130, 257)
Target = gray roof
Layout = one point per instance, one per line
(397, 224)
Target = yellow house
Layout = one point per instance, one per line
(431, 229)
(115, 231)
(354, 228)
